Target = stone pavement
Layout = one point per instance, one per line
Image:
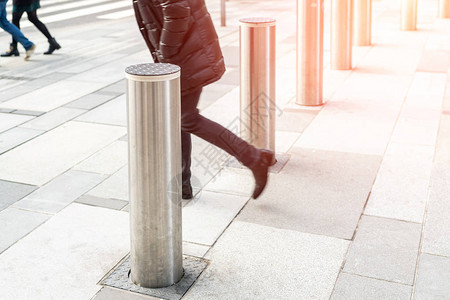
(360, 210)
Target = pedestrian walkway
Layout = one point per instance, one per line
(359, 211)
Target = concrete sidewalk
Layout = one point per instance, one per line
(359, 211)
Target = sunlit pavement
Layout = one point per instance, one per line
(359, 211)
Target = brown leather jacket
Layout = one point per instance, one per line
(181, 32)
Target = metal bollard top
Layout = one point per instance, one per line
(152, 72)
(258, 22)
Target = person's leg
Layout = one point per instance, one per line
(257, 160)
(13, 51)
(53, 44)
(33, 18)
(214, 133)
(12, 29)
(16, 16)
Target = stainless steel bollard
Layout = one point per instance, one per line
(341, 34)
(408, 15)
(310, 52)
(257, 62)
(444, 8)
(362, 22)
(154, 159)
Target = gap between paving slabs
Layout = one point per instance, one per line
(119, 278)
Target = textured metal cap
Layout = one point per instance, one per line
(152, 72)
(257, 21)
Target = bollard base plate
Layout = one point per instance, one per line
(119, 278)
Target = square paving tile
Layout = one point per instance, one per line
(60, 192)
(311, 194)
(354, 287)
(385, 249)
(16, 223)
(45, 157)
(70, 253)
(248, 256)
(433, 277)
(436, 236)
(208, 215)
(12, 192)
(401, 188)
(113, 112)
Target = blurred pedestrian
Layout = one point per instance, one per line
(15, 31)
(30, 7)
(182, 32)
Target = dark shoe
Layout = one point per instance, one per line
(260, 171)
(11, 52)
(53, 46)
(187, 192)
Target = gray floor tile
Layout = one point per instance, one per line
(434, 61)
(16, 223)
(90, 101)
(257, 262)
(297, 117)
(108, 293)
(354, 287)
(115, 187)
(311, 194)
(436, 236)
(16, 136)
(53, 119)
(60, 192)
(206, 217)
(433, 278)
(9, 120)
(385, 249)
(65, 257)
(12, 192)
(112, 112)
(118, 87)
(102, 202)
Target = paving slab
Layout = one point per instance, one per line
(15, 137)
(385, 249)
(433, 277)
(434, 61)
(60, 192)
(16, 224)
(106, 161)
(206, 217)
(102, 202)
(311, 195)
(53, 118)
(71, 252)
(232, 181)
(442, 154)
(354, 287)
(114, 187)
(8, 120)
(52, 96)
(436, 234)
(295, 119)
(12, 192)
(356, 126)
(248, 256)
(108, 293)
(401, 188)
(54, 152)
(112, 113)
(90, 101)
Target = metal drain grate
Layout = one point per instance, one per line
(192, 269)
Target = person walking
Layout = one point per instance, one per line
(15, 31)
(181, 32)
(30, 7)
